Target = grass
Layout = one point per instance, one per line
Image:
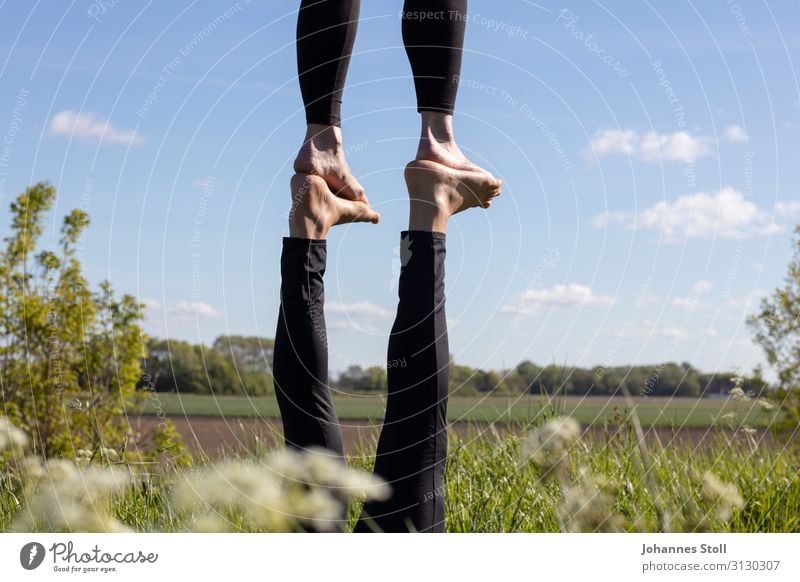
(735, 480)
(490, 489)
(589, 411)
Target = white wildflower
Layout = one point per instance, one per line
(71, 500)
(765, 405)
(83, 457)
(246, 486)
(547, 445)
(287, 489)
(589, 506)
(11, 436)
(33, 468)
(210, 523)
(724, 496)
(317, 467)
(738, 394)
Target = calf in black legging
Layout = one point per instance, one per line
(441, 181)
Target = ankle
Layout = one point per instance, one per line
(437, 128)
(427, 217)
(323, 137)
(305, 227)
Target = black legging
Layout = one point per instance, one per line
(413, 443)
(433, 34)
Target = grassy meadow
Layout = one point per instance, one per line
(654, 411)
(550, 473)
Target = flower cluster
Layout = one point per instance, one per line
(288, 490)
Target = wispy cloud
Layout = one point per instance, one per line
(350, 326)
(650, 146)
(789, 209)
(674, 333)
(360, 316)
(725, 214)
(529, 303)
(699, 288)
(179, 320)
(734, 134)
(361, 309)
(89, 126)
(180, 311)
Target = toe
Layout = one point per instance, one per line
(350, 211)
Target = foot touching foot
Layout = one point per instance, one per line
(446, 153)
(315, 209)
(322, 155)
(438, 191)
(437, 143)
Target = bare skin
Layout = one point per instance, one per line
(315, 208)
(437, 143)
(322, 154)
(437, 192)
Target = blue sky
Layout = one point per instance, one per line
(648, 150)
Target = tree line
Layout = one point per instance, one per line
(242, 365)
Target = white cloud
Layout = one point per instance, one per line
(192, 309)
(351, 327)
(674, 333)
(700, 287)
(151, 303)
(360, 309)
(685, 302)
(725, 214)
(532, 301)
(679, 146)
(790, 208)
(749, 301)
(180, 311)
(179, 320)
(603, 219)
(90, 126)
(651, 146)
(614, 141)
(734, 134)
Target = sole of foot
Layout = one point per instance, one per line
(437, 192)
(316, 209)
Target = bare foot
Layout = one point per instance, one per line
(437, 192)
(315, 209)
(437, 143)
(322, 155)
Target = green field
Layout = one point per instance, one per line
(590, 411)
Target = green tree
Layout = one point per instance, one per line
(529, 374)
(357, 379)
(69, 357)
(251, 360)
(176, 366)
(775, 329)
